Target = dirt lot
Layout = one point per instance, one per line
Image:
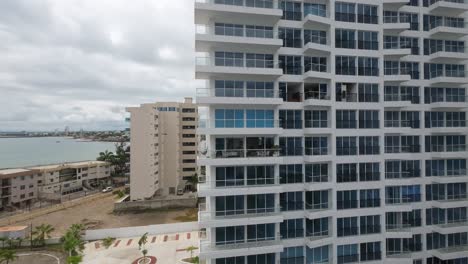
(39, 257)
(98, 214)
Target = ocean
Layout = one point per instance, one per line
(22, 152)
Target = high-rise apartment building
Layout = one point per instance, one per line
(163, 148)
(336, 131)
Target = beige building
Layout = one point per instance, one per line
(163, 148)
(18, 187)
(62, 179)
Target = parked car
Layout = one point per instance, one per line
(107, 189)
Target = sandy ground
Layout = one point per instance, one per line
(98, 214)
(36, 257)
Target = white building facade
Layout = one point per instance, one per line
(336, 131)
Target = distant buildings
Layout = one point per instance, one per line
(20, 188)
(163, 148)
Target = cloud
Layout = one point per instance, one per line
(79, 63)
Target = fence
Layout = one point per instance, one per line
(136, 231)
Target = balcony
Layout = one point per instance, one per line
(450, 201)
(448, 101)
(319, 22)
(394, 25)
(207, 38)
(316, 154)
(447, 176)
(318, 239)
(317, 48)
(448, 77)
(206, 68)
(210, 219)
(398, 231)
(316, 98)
(241, 156)
(249, 12)
(317, 127)
(396, 75)
(228, 127)
(448, 151)
(401, 126)
(316, 73)
(403, 149)
(448, 7)
(399, 100)
(448, 253)
(396, 53)
(448, 57)
(238, 187)
(445, 28)
(447, 126)
(210, 249)
(214, 96)
(394, 4)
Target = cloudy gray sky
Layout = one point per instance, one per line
(80, 62)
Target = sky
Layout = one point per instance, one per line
(79, 63)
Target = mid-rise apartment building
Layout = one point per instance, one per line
(163, 148)
(336, 131)
(18, 188)
(57, 180)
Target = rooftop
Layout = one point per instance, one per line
(12, 228)
(71, 164)
(13, 171)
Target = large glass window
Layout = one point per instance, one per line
(368, 66)
(259, 118)
(345, 38)
(345, 12)
(290, 119)
(315, 9)
(367, 14)
(229, 59)
(346, 146)
(368, 40)
(347, 253)
(318, 64)
(315, 36)
(291, 173)
(228, 88)
(291, 37)
(291, 10)
(346, 199)
(346, 119)
(345, 65)
(369, 119)
(229, 118)
(291, 64)
(316, 118)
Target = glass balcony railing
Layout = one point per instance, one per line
(209, 246)
(236, 62)
(235, 124)
(270, 4)
(403, 149)
(317, 151)
(245, 153)
(239, 213)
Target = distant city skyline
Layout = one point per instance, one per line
(80, 63)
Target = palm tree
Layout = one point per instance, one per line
(108, 241)
(43, 232)
(20, 240)
(141, 245)
(7, 255)
(3, 240)
(106, 156)
(191, 249)
(72, 241)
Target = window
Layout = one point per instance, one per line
(260, 89)
(347, 226)
(370, 251)
(346, 172)
(292, 255)
(316, 118)
(260, 232)
(292, 228)
(291, 10)
(291, 146)
(253, 60)
(230, 205)
(367, 14)
(315, 9)
(290, 119)
(229, 29)
(316, 200)
(316, 146)
(261, 259)
(259, 118)
(260, 203)
(316, 172)
(369, 198)
(391, 68)
(367, 40)
(345, 65)
(347, 253)
(291, 201)
(291, 173)
(368, 92)
(229, 118)
(291, 64)
(346, 146)
(411, 18)
(410, 68)
(229, 59)
(260, 175)
(345, 12)
(291, 37)
(369, 172)
(410, 43)
(229, 176)
(345, 38)
(315, 36)
(369, 119)
(318, 64)
(258, 31)
(369, 224)
(318, 255)
(346, 199)
(346, 119)
(368, 66)
(225, 88)
(369, 145)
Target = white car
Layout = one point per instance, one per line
(107, 189)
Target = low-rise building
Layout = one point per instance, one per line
(18, 187)
(62, 179)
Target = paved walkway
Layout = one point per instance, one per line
(167, 248)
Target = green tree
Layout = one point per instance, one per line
(19, 241)
(106, 156)
(193, 181)
(141, 245)
(3, 240)
(108, 241)
(74, 259)
(7, 255)
(43, 232)
(72, 241)
(191, 249)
